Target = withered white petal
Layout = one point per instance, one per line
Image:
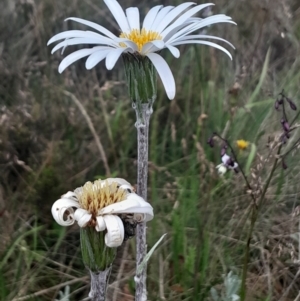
(108, 218)
(70, 195)
(115, 180)
(133, 204)
(140, 217)
(101, 226)
(115, 231)
(64, 208)
(82, 217)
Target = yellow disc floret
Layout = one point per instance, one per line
(95, 196)
(140, 38)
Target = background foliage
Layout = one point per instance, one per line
(48, 148)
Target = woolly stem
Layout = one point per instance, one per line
(99, 281)
(143, 113)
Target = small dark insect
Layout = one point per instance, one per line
(129, 229)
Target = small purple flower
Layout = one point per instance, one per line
(229, 162)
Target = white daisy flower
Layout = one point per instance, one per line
(163, 27)
(105, 205)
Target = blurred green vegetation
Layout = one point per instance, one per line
(47, 149)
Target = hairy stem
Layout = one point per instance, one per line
(99, 281)
(143, 113)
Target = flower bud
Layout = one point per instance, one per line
(285, 125)
(292, 104)
(210, 141)
(277, 104)
(223, 151)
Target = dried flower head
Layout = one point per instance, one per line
(104, 205)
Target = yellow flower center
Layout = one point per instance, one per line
(95, 196)
(140, 38)
(242, 144)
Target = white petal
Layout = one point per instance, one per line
(221, 169)
(115, 231)
(225, 159)
(164, 72)
(204, 43)
(75, 56)
(174, 51)
(173, 14)
(139, 217)
(132, 204)
(116, 180)
(189, 28)
(96, 58)
(79, 41)
(82, 217)
(179, 31)
(151, 15)
(133, 17)
(160, 16)
(129, 44)
(199, 36)
(184, 17)
(70, 195)
(118, 14)
(101, 226)
(73, 34)
(95, 26)
(64, 208)
(213, 20)
(153, 46)
(127, 187)
(113, 56)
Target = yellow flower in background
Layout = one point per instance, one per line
(242, 144)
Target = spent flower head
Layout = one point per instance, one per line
(105, 205)
(163, 27)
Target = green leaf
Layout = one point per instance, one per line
(141, 267)
(250, 158)
(262, 77)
